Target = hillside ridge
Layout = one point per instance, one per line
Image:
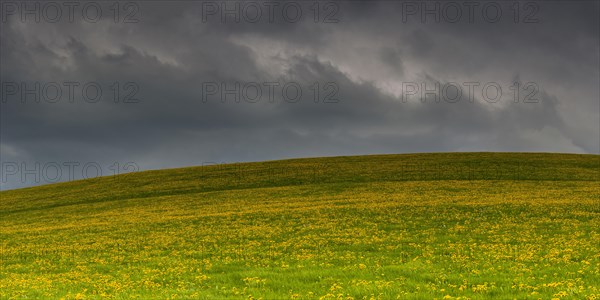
(304, 171)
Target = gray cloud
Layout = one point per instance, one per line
(360, 64)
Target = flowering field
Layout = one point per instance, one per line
(422, 226)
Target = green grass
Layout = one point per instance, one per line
(413, 226)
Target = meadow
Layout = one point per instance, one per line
(410, 226)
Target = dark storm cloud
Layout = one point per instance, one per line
(361, 62)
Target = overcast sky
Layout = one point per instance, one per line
(312, 79)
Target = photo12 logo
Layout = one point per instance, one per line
(469, 11)
(73, 91)
(52, 172)
(254, 92)
(453, 92)
(270, 11)
(69, 11)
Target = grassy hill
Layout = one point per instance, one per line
(412, 226)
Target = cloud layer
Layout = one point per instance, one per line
(361, 68)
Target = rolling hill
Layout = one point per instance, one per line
(409, 226)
